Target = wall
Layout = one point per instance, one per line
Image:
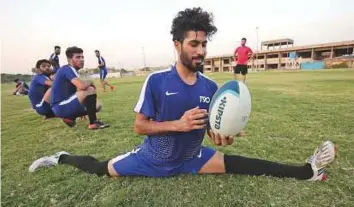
(317, 65)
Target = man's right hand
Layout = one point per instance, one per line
(193, 119)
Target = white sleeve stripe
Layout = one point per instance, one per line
(143, 90)
(75, 72)
(142, 96)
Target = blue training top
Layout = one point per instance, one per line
(55, 60)
(37, 89)
(102, 60)
(165, 97)
(62, 87)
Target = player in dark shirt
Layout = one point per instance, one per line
(54, 59)
(103, 71)
(73, 97)
(21, 88)
(40, 90)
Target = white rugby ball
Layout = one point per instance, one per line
(230, 108)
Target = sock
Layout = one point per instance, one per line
(90, 104)
(86, 163)
(242, 165)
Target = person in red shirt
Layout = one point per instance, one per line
(241, 55)
(241, 59)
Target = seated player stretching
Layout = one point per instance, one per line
(21, 88)
(40, 89)
(174, 119)
(72, 97)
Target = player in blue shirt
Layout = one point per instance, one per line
(39, 92)
(54, 59)
(21, 88)
(172, 113)
(72, 97)
(103, 71)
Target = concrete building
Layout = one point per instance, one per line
(282, 54)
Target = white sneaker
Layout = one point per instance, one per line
(321, 158)
(47, 161)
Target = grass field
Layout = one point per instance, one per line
(292, 112)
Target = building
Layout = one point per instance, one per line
(282, 54)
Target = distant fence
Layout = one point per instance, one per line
(109, 75)
(9, 78)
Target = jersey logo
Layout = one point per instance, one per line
(169, 94)
(204, 99)
(200, 154)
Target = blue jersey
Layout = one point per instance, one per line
(22, 83)
(37, 89)
(54, 59)
(100, 61)
(165, 97)
(62, 87)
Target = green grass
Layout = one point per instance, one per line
(292, 112)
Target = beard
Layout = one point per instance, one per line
(188, 62)
(45, 72)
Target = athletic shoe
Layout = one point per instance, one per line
(321, 158)
(69, 122)
(98, 125)
(47, 161)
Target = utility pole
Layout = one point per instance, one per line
(144, 57)
(257, 48)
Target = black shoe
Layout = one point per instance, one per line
(98, 125)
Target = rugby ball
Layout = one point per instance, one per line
(230, 108)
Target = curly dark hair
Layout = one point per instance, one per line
(194, 19)
(40, 62)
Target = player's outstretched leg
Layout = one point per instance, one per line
(312, 170)
(87, 164)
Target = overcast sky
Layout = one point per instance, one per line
(119, 29)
